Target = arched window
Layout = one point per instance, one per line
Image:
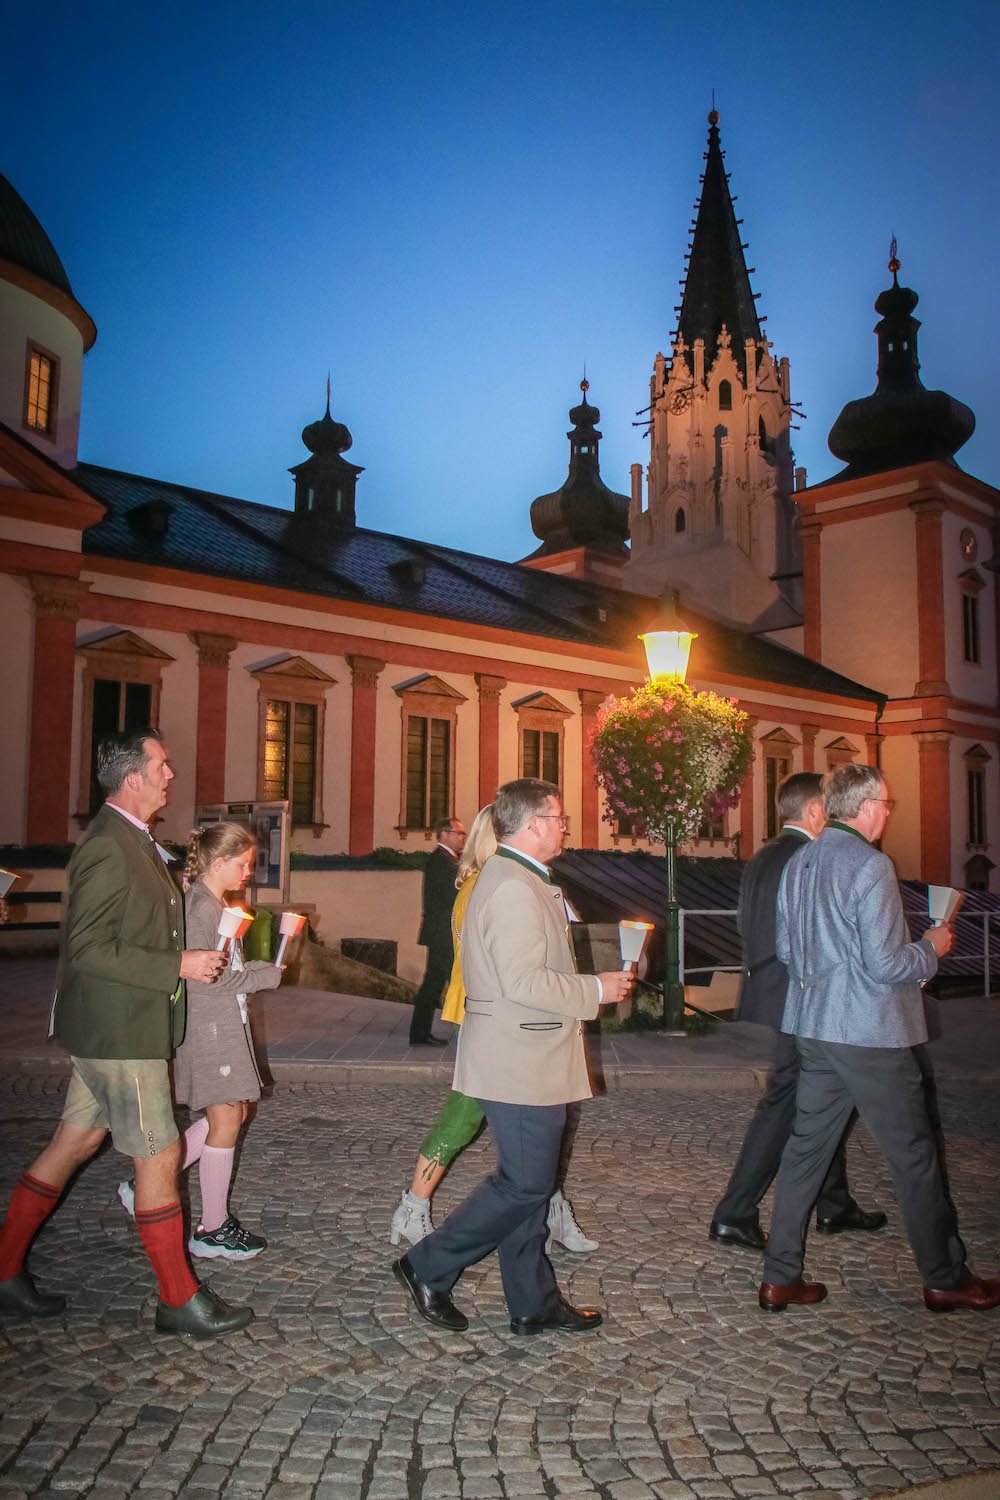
(725, 396)
(680, 520)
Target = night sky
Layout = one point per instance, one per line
(452, 207)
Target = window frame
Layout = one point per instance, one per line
(540, 712)
(122, 657)
(777, 746)
(976, 759)
(426, 697)
(31, 349)
(294, 681)
(971, 584)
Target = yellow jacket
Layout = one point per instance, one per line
(453, 1008)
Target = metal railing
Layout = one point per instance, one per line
(985, 917)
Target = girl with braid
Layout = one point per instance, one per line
(459, 1119)
(215, 1069)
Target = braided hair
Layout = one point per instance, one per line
(215, 841)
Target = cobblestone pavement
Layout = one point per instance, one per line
(338, 1391)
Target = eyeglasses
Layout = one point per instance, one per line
(890, 802)
(562, 819)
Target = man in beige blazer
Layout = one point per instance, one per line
(520, 1054)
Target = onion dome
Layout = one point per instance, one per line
(325, 483)
(326, 435)
(902, 422)
(583, 512)
(24, 242)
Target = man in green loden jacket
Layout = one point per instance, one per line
(119, 1010)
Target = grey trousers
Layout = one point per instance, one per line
(506, 1213)
(765, 1140)
(886, 1087)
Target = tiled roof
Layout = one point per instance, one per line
(24, 242)
(154, 522)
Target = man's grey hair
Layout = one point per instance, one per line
(118, 755)
(795, 794)
(846, 788)
(519, 800)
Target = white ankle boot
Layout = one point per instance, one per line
(412, 1220)
(563, 1228)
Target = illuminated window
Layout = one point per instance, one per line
(541, 723)
(429, 710)
(40, 392)
(292, 718)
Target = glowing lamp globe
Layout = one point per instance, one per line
(667, 652)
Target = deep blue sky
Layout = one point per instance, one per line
(452, 206)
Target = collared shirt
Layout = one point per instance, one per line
(447, 850)
(799, 829)
(136, 822)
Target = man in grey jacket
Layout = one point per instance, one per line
(855, 1006)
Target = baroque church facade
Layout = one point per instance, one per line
(379, 682)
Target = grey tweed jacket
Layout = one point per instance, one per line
(853, 974)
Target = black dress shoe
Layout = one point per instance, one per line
(563, 1319)
(20, 1299)
(748, 1236)
(428, 1041)
(852, 1218)
(204, 1316)
(436, 1307)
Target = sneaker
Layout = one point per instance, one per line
(563, 1228)
(126, 1194)
(230, 1241)
(411, 1220)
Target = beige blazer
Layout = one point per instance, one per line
(522, 1040)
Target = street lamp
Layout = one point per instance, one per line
(667, 649)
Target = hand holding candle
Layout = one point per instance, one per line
(291, 925)
(232, 924)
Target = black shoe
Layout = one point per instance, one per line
(563, 1319)
(204, 1316)
(428, 1041)
(20, 1299)
(748, 1235)
(436, 1307)
(852, 1218)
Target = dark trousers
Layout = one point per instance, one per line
(506, 1213)
(436, 975)
(886, 1086)
(766, 1138)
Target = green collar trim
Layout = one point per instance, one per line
(794, 833)
(526, 864)
(846, 828)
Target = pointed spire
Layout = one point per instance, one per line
(717, 287)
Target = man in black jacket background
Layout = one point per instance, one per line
(439, 892)
(762, 999)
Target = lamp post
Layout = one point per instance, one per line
(667, 650)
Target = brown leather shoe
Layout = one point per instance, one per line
(973, 1294)
(775, 1296)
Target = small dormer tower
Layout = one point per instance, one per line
(718, 519)
(325, 483)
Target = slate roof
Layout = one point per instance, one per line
(24, 242)
(155, 522)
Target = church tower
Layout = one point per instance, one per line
(719, 521)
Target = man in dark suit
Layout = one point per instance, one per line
(119, 1011)
(439, 892)
(762, 999)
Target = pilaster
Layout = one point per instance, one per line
(365, 672)
(214, 652)
(490, 689)
(58, 600)
(809, 733)
(934, 747)
(748, 791)
(590, 819)
(810, 534)
(932, 682)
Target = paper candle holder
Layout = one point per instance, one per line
(942, 902)
(290, 926)
(632, 939)
(7, 878)
(232, 924)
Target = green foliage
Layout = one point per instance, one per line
(666, 754)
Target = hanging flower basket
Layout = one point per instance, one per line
(666, 754)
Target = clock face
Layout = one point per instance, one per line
(969, 545)
(679, 402)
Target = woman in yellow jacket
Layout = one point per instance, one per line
(460, 1118)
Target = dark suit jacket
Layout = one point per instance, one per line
(765, 978)
(120, 950)
(439, 892)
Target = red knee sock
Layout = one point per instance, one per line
(30, 1206)
(162, 1233)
